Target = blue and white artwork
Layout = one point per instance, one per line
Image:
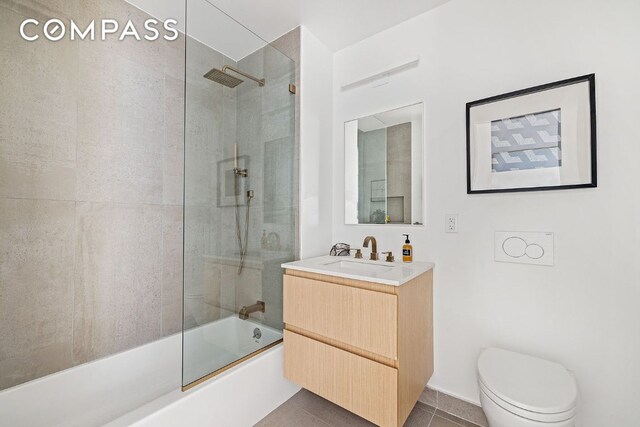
(531, 141)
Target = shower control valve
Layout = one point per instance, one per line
(240, 172)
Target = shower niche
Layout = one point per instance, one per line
(239, 192)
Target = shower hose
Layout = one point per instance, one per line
(242, 246)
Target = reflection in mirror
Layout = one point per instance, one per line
(383, 168)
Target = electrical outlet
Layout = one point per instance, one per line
(451, 223)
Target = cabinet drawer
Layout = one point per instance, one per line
(359, 317)
(360, 385)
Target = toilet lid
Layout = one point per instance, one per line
(527, 382)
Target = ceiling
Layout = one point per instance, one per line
(207, 24)
(337, 23)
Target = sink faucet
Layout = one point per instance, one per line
(374, 247)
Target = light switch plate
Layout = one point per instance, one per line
(523, 247)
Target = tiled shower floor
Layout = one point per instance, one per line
(306, 409)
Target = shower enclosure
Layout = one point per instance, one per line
(239, 191)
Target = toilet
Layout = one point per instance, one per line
(517, 390)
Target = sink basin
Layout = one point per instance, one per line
(386, 273)
(358, 267)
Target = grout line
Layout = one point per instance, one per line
(44, 199)
(432, 417)
(317, 418)
(74, 280)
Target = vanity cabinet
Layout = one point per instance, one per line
(365, 346)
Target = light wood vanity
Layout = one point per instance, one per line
(364, 345)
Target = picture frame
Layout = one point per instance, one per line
(535, 139)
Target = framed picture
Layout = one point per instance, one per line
(541, 138)
(229, 185)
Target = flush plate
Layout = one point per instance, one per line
(523, 247)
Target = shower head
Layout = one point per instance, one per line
(224, 78)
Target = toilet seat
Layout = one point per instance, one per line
(533, 416)
(526, 386)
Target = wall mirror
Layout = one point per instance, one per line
(384, 167)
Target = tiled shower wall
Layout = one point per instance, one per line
(91, 158)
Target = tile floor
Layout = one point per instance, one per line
(306, 409)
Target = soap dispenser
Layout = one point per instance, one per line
(407, 250)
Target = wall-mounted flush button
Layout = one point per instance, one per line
(524, 248)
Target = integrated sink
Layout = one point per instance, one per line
(387, 273)
(358, 267)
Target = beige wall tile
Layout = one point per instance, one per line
(117, 108)
(211, 282)
(37, 114)
(162, 56)
(289, 44)
(203, 136)
(43, 9)
(228, 296)
(248, 286)
(118, 278)
(120, 129)
(173, 155)
(171, 270)
(36, 288)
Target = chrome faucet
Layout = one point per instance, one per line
(245, 311)
(374, 247)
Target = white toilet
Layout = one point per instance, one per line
(517, 390)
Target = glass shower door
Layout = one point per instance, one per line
(239, 213)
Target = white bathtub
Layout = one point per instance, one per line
(141, 386)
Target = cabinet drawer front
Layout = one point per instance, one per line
(359, 317)
(360, 385)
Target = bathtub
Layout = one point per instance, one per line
(141, 386)
(223, 342)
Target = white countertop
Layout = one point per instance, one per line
(388, 273)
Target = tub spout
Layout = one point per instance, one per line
(245, 311)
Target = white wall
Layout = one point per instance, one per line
(583, 312)
(316, 203)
